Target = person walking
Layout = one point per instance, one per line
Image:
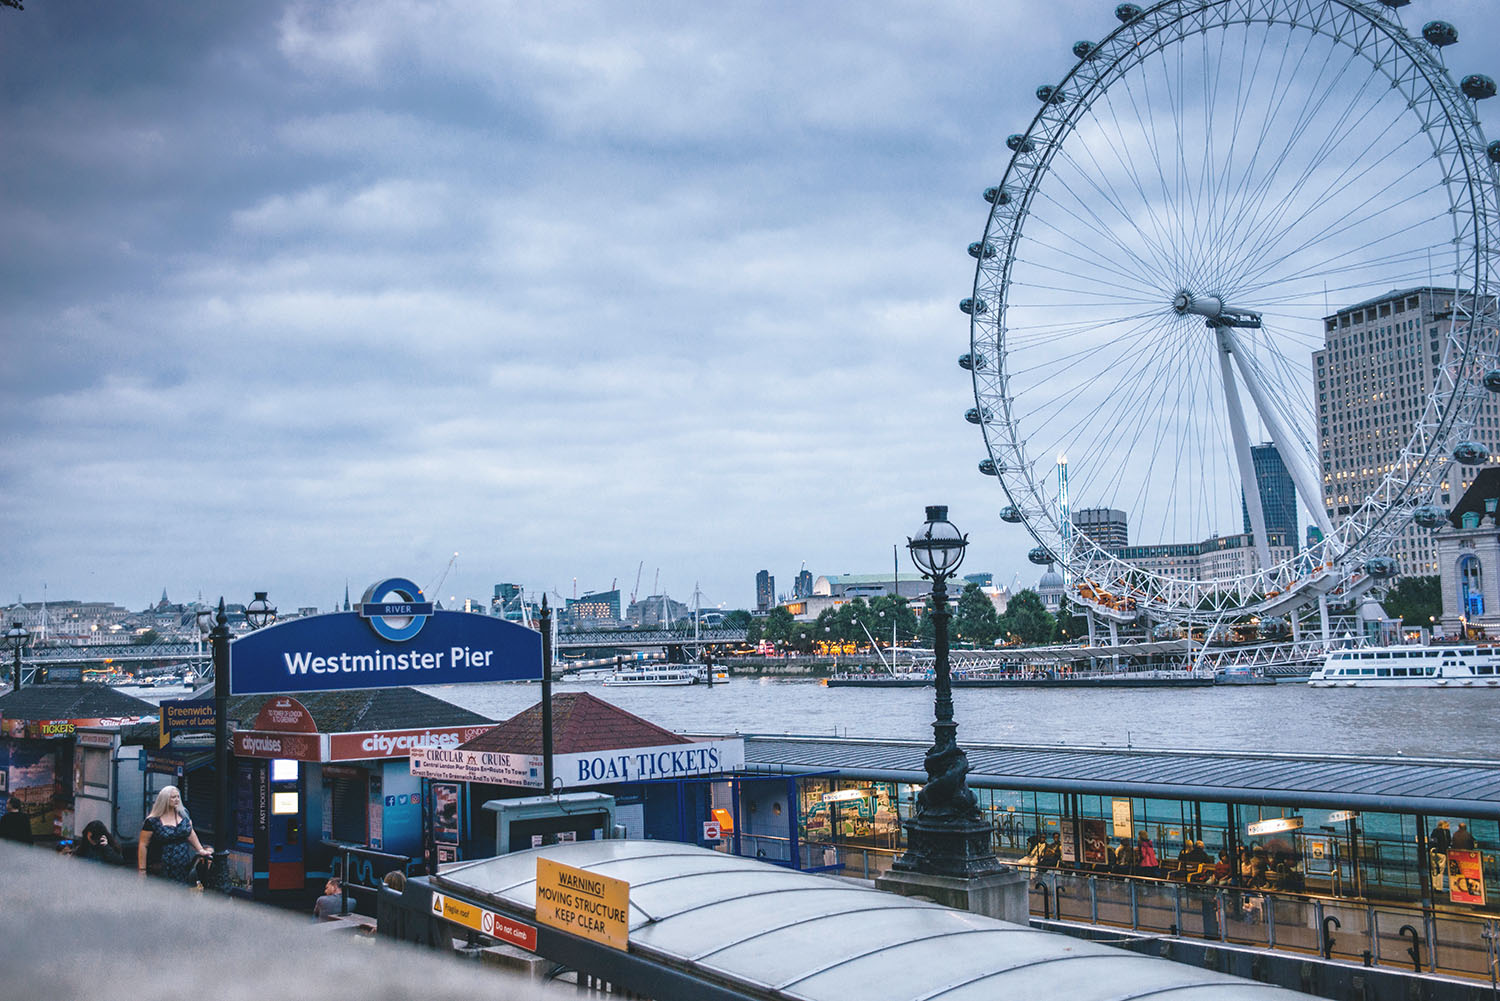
(170, 827)
(1463, 839)
(15, 825)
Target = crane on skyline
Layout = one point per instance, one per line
(443, 576)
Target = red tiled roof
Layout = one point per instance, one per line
(580, 722)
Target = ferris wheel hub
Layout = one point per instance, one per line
(1212, 308)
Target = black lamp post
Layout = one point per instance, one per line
(18, 635)
(545, 620)
(948, 836)
(216, 626)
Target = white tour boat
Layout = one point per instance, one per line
(1409, 666)
(639, 675)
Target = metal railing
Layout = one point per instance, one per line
(1395, 935)
(1365, 932)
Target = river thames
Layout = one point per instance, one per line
(1285, 717)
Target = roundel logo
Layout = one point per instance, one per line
(395, 609)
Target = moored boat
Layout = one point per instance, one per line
(645, 675)
(1410, 667)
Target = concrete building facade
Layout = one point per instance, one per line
(1379, 363)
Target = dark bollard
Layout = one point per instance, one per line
(1415, 950)
(1328, 935)
(1046, 899)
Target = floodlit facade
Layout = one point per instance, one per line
(1373, 376)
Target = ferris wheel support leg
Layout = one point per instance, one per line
(1292, 454)
(1296, 618)
(1089, 615)
(1323, 616)
(1248, 483)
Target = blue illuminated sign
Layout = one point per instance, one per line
(412, 644)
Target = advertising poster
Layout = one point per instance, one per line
(1095, 843)
(445, 812)
(1069, 844)
(1124, 821)
(1465, 877)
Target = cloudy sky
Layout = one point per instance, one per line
(295, 294)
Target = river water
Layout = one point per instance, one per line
(1286, 717)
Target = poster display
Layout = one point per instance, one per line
(1095, 842)
(1465, 876)
(1124, 820)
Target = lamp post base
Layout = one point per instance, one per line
(948, 846)
(1002, 894)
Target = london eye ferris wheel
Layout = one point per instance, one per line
(1205, 185)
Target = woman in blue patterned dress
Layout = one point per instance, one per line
(170, 827)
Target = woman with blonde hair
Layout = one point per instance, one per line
(170, 827)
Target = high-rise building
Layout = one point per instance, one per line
(1378, 365)
(507, 602)
(1278, 495)
(1108, 527)
(598, 609)
(765, 591)
(804, 586)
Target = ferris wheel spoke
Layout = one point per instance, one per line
(1094, 260)
(1114, 432)
(1343, 225)
(1326, 268)
(1255, 198)
(1155, 264)
(1123, 342)
(1340, 182)
(1246, 171)
(1166, 245)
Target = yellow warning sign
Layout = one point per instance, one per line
(583, 903)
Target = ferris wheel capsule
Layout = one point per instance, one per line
(1429, 516)
(988, 467)
(1439, 33)
(971, 362)
(1049, 94)
(1394, 4)
(1041, 556)
(1128, 12)
(975, 415)
(981, 251)
(972, 306)
(1382, 567)
(1471, 453)
(996, 196)
(1083, 49)
(1477, 86)
(1010, 514)
(1019, 143)
(1491, 380)
(1493, 151)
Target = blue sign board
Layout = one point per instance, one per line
(385, 645)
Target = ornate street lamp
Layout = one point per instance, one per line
(948, 836)
(17, 636)
(260, 612)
